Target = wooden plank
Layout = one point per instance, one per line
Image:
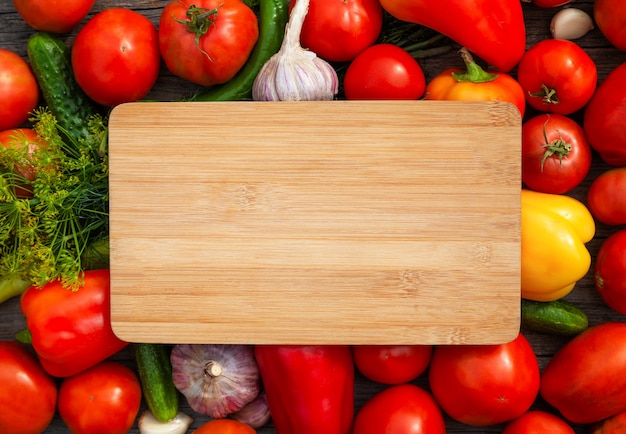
(324, 222)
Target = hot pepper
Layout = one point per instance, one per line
(71, 330)
(555, 229)
(310, 389)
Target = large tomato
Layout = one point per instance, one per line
(586, 379)
(28, 395)
(538, 422)
(207, 41)
(555, 154)
(54, 16)
(485, 384)
(104, 399)
(392, 364)
(610, 16)
(403, 408)
(557, 76)
(606, 197)
(115, 56)
(384, 71)
(338, 30)
(610, 271)
(19, 91)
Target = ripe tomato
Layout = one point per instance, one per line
(610, 271)
(25, 139)
(606, 197)
(392, 364)
(338, 30)
(538, 422)
(28, 395)
(115, 56)
(555, 154)
(19, 91)
(224, 426)
(610, 16)
(557, 76)
(104, 399)
(485, 384)
(586, 379)
(384, 71)
(215, 56)
(403, 408)
(613, 425)
(54, 16)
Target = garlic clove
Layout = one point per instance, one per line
(256, 413)
(570, 23)
(149, 424)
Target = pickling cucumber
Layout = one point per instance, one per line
(558, 317)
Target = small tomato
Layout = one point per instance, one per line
(392, 364)
(224, 426)
(606, 197)
(610, 16)
(54, 16)
(538, 422)
(27, 141)
(610, 271)
(19, 91)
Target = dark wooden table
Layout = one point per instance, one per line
(14, 34)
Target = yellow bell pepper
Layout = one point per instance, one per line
(555, 229)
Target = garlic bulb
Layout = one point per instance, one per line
(216, 380)
(570, 23)
(294, 73)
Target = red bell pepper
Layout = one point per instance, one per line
(494, 30)
(71, 330)
(309, 389)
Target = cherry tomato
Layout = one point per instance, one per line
(392, 364)
(21, 138)
(557, 76)
(207, 58)
(384, 71)
(610, 271)
(606, 197)
(485, 384)
(115, 56)
(555, 154)
(538, 422)
(54, 16)
(28, 395)
(338, 30)
(19, 91)
(403, 408)
(104, 399)
(224, 426)
(610, 16)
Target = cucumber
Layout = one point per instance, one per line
(558, 317)
(50, 60)
(155, 374)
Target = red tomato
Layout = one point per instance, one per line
(224, 426)
(555, 154)
(605, 117)
(21, 138)
(485, 384)
(392, 364)
(606, 197)
(538, 422)
(104, 399)
(338, 30)
(610, 16)
(557, 76)
(613, 425)
(115, 56)
(19, 90)
(384, 71)
(28, 395)
(610, 271)
(207, 58)
(586, 379)
(54, 16)
(403, 408)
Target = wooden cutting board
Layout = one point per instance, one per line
(379, 222)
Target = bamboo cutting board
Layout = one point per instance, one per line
(379, 222)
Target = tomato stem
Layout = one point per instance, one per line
(558, 147)
(474, 73)
(547, 94)
(199, 22)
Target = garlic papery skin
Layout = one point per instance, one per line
(570, 23)
(294, 73)
(255, 413)
(149, 424)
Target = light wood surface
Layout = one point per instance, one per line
(355, 222)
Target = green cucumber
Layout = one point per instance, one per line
(155, 374)
(558, 317)
(50, 60)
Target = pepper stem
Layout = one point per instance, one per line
(199, 22)
(474, 73)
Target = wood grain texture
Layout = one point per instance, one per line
(323, 222)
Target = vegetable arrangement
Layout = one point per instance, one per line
(53, 212)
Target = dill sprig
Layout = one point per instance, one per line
(44, 235)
